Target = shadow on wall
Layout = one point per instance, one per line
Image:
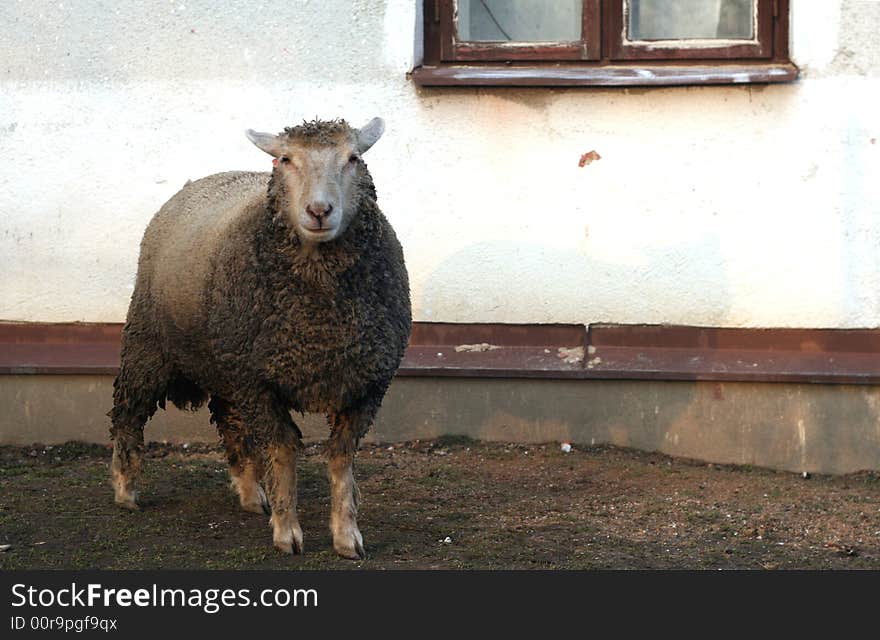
(515, 282)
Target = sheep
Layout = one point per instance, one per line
(269, 293)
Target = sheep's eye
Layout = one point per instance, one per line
(353, 158)
(285, 160)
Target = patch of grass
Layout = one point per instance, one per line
(709, 516)
(455, 441)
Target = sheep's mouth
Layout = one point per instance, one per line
(319, 232)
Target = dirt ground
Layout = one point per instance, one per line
(444, 504)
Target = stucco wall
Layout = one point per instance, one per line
(733, 206)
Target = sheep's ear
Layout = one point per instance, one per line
(268, 142)
(369, 133)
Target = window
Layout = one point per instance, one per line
(604, 42)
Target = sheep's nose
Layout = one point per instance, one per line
(319, 210)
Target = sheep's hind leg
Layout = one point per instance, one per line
(126, 466)
(245, 463)
(279, 444)
(128, 416)
(346, 431)
(246, 483)
(281, 484)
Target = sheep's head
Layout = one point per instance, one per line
(318, 173)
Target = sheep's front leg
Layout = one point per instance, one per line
(279, 442)
(347, 539)
(346, 431)
(281, 484)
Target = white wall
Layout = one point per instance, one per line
(733, 206)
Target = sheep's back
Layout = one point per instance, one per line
(183, 239)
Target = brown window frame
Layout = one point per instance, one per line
(588, 48)
(603, 56)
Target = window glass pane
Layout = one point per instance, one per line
(691, 19)
(519, 20)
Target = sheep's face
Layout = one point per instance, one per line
(317, 170)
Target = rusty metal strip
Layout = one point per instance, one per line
(567, 352)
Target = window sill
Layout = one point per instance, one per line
(560, 75)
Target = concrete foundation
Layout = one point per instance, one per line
(795, 427)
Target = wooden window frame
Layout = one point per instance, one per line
(603, 57)
(588, 48)
(622, 49)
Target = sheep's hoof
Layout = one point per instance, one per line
(128, 502)
(251, 495)
(124, 495)
(260, 508)
(294, 547)
(287, 535)
(258, 503)
(350, 547)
